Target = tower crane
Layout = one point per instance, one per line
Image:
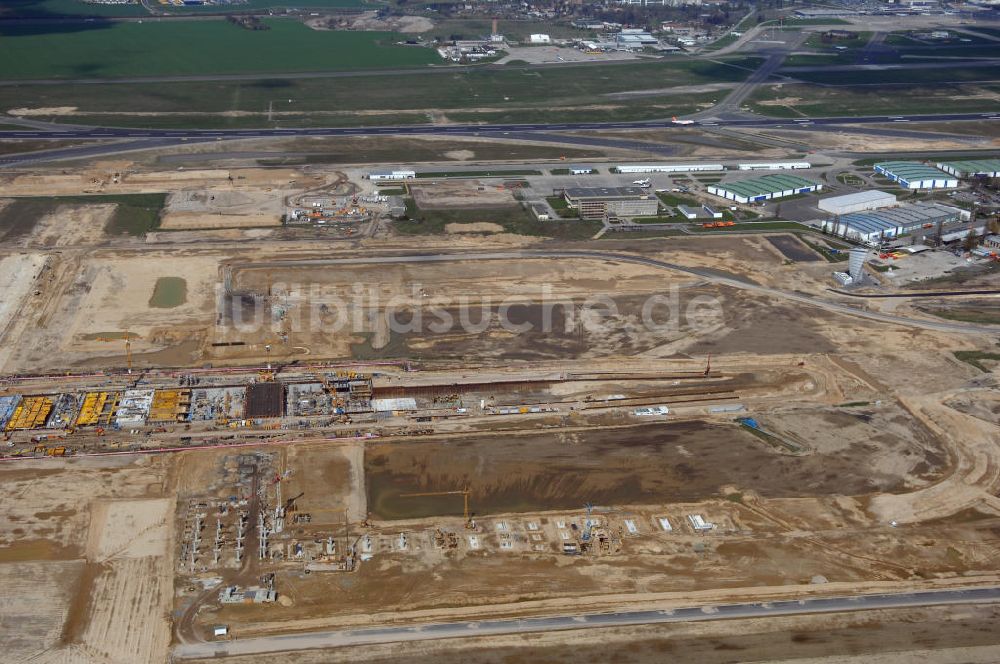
(463, 492)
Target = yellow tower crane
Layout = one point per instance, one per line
(463, 492)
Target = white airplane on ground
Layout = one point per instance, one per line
(641, 183)
(683, 122)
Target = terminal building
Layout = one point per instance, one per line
(764, 188)
(858, 202)
(599, 202)
(914, 175)
(970, 168)
(669, 168)
(392, 176)
(874, 226)
(775, 166)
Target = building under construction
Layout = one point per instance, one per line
(264, 400)
(30, 413)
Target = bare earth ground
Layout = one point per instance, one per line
(889, 425)
(85, 552)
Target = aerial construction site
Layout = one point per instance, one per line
(258, 409)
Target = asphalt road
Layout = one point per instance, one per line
(169, 136)
(390, 634)
(703, 273)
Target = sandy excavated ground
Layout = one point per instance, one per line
(70, 226)
(18, 275)
(370, 21)
(104, 296)
(99, 178)
(460, 194)
(85, 560)
(200, 220)
(893, 427)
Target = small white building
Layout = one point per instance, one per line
(688, 213)
(699, 524)
(580, 170)
(539, 39)
(392, 175)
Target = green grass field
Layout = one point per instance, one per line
(562, 208)
(812, 101)
(117, 50)
(135, 214)
(976, 357)
(53, 8)
(548, 92)
(68, 8)
(250, 5)
(956, 74)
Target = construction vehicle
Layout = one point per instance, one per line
(469, 523)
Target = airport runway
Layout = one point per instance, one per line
(164, 137)
(391, 634)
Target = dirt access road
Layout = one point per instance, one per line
(707, 275)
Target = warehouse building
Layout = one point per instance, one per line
(669, 168)
(598, 202)
(859, 202)
(392, 175)
(914, 175)
(972, 168)
(874, 226)
(764, 188)
(775, 166)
